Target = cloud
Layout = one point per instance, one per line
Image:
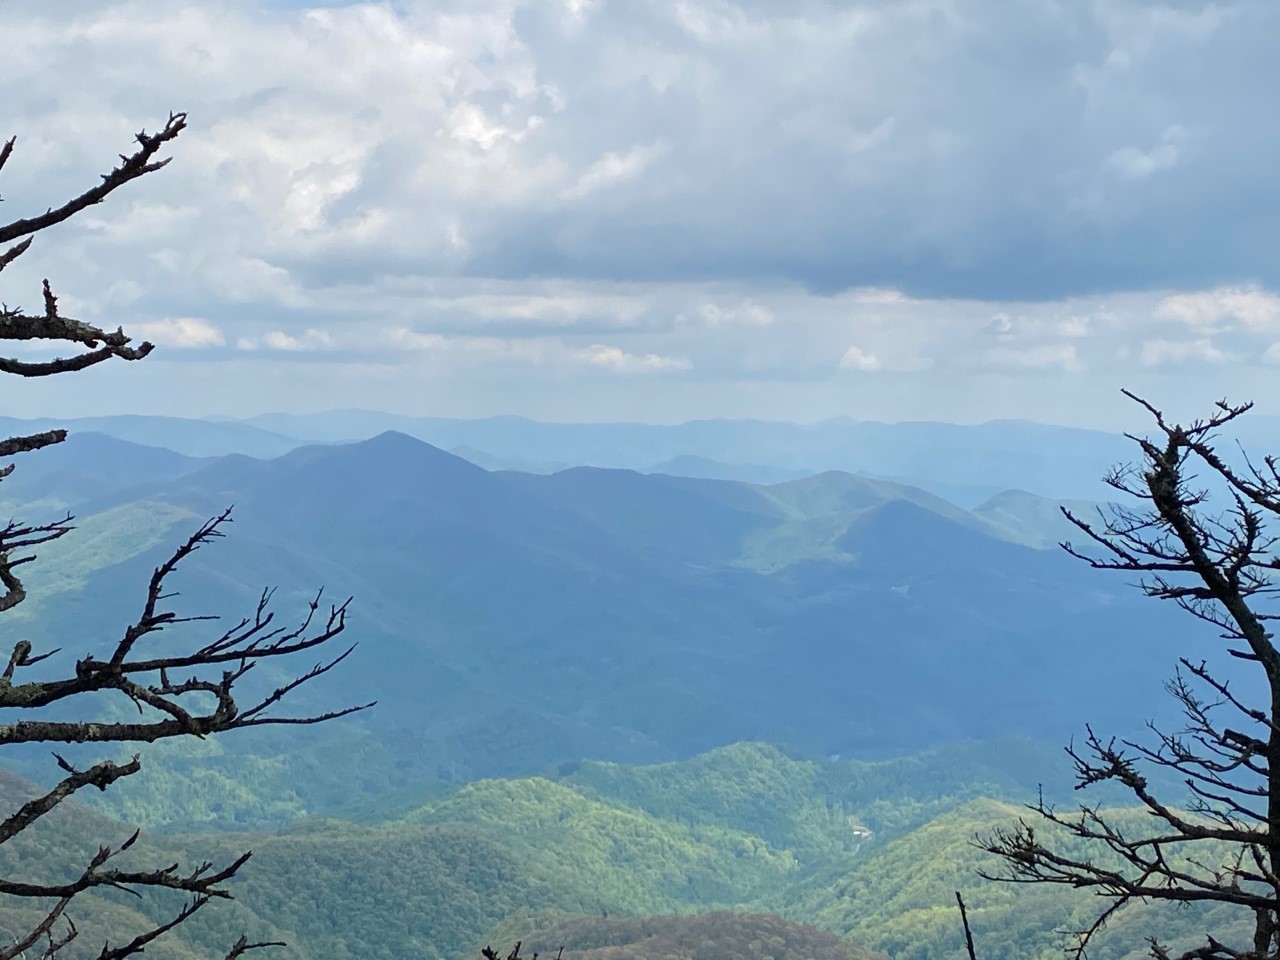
(546, 192)
(747, 313)
(837, 146)
(1134, 163)
(612, 168)
(1001, 325)
(557, 307)
(878, 295)
(1208, 310)
(482, 348)
(1061, 355)
(615, 358)
(545, 351)
(855, 358)
(180, 332)
(311, 339)
(1157, 353)
(1074, 326)
(468, 124)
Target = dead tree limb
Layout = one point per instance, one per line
(1221, 844)
(185, 687)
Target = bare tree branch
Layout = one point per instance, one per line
(183, 690)
(1224, 847)
(137, 164)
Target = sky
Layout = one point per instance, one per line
(657, 210)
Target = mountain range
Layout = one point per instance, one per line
(965, 464)
(512, 621)
(610, 700)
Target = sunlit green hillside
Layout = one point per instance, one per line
(871, 852)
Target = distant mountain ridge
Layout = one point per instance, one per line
(191, 438)
(965, 464)
(704, 468)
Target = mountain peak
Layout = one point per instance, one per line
(394, 438)
(390, 451)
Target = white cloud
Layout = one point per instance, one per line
(878, 295)
(180, 332)
(615, 358)
(1134, 163)
(1212, 309)
(144, 222)
(1000, 325)
(482, 348)
(1074, 326)
(856, 358)
(312, 339)
(1061, 355)
(1070, 320)
(557, 307)
(1158, 352)
(236, 279)
(613, 167)
(577, 10)
(542, 351)
(747, 313)
(467, 123)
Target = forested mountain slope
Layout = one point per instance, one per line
(509, 622)
(869, 852)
